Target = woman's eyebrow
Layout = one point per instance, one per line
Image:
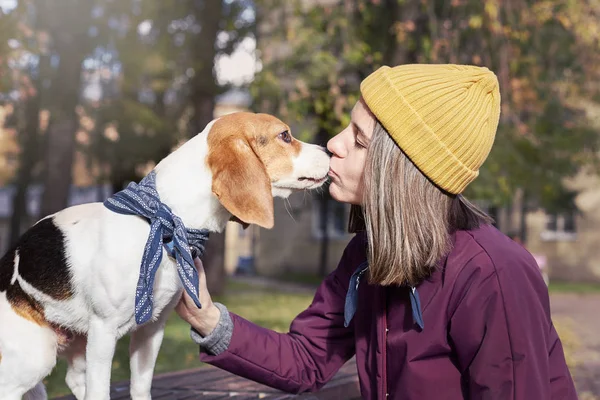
(358, 129)
(360, 132)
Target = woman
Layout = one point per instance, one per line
(432, 300)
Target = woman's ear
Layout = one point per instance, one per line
(240, 182)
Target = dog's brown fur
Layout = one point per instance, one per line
(254, 138)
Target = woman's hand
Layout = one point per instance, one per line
(204, 319)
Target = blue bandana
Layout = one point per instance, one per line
(167, 229)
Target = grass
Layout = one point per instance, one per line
(554, 287)
(274, 310)
(301, 279)
(574, 287)
(570, 341)
(572, 346)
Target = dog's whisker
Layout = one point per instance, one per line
(286, 202)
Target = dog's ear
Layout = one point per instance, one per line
(241, 183)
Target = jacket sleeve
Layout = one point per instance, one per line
(503, 334)
(314, 349)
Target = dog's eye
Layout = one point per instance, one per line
(285, 136)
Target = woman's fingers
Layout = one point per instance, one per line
(199, 265)
(204, 319)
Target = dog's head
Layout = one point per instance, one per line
(254, 157)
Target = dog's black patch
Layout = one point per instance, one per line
(6, 269)
(42, 261)
(22, 303)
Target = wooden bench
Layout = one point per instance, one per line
(212, 383)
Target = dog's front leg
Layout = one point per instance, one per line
(100, 350)
(143, 350)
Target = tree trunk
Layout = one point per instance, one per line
(323, 228)
(204, 107)
(59, 161)
(523, 218)
(390, 17)
(209, 15)
(60, 137)
(29, 143)
(403, 53)
(204, 88)
(214, 263)
(29, 140)
(321, 139)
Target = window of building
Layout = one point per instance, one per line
(560, 226)
(337, 219)
(490, 209)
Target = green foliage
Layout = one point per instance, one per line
(544, 61)
(128, 135)
(314, 55)
(310, 76)
(157, 53)
(545, 54)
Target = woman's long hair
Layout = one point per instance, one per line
(407, 218)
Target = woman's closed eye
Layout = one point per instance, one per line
(359, 142)
(359, 145)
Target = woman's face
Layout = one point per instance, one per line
(349, 148)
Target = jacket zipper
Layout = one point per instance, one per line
(384, 389)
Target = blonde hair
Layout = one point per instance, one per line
(407, 218)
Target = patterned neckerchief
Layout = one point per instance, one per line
(166, 229)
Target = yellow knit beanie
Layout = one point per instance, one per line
(444, 117)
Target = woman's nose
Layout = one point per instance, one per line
(334, 146)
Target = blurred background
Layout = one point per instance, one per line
(94, 93)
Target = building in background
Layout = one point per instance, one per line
(292, 246)
(570, 241)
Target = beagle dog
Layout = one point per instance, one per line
(67, 288)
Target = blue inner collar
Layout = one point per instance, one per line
(352, 298)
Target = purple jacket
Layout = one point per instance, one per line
(487, 332)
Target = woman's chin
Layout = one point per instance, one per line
(338, 194)
(334, 192)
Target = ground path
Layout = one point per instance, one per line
(580, 315)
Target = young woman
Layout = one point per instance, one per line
(433, 301)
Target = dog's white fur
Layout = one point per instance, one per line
(104, 251)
